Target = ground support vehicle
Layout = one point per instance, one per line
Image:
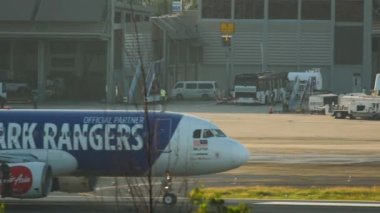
(194, 90)
(357, 106)
(321, 103)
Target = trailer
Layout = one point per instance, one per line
(357, 106)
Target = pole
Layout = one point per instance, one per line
(227, 71)
(110, 92)
(262, 56)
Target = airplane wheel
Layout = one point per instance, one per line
(169, 199)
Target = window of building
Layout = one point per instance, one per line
(62, 47)
(349, 10)
(216, 9)
(283, 9)
(117, 18)
(137, 18)
(316, 9)
(4, 58)
(249, 9)
(62, 62)
(128, 18)
(348, 45)
(376, 10)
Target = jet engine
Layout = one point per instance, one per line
(25, 180)
(74, 184)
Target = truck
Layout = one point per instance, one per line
(357, 106)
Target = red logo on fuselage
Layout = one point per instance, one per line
(20, 179)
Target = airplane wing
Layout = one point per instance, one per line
(18, 158)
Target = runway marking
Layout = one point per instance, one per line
(320, 204)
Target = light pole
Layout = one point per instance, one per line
(227, 29)
(226, 42)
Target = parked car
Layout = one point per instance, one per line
(194, 89)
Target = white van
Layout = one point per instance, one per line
(194, 89)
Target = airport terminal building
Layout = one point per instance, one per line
(75, 49)
(340, 37)
(92, 44)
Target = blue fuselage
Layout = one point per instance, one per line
(103, 142)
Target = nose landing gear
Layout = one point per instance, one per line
(169, 198)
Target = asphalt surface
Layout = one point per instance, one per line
(80, 204)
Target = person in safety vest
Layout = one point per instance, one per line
(163, 98)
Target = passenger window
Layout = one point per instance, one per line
(205, 86)
(179, 86)
(191, 86)
(207, 133)
(197, 133)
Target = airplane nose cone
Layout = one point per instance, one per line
(240, 155)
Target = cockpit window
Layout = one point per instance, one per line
(218, 133)
(197, 133)
(207, 133)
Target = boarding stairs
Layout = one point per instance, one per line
(150, 77)
(300, 95)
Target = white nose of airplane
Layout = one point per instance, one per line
(239, 154)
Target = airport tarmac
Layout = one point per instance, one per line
(286, 149)
(304, 149)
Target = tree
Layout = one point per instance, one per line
(144, 192)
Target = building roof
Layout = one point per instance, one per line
(53, 18)
(178, 26)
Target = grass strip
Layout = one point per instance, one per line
(294, 193)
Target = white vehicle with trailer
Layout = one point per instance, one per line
(359, 105)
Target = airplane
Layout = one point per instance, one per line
(42, 146)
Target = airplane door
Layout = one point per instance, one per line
(162, 135)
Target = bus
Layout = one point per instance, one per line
(273, 87)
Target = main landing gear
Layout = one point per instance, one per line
(169, 198)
